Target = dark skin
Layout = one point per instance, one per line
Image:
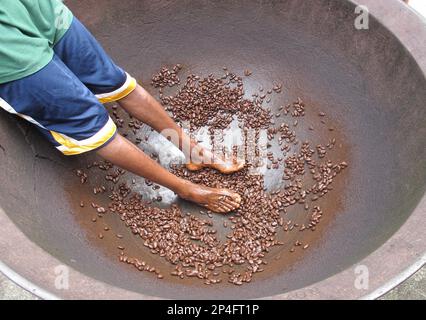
(142, 106)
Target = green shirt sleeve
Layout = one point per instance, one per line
(28, 31)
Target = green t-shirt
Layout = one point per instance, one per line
(28, 31)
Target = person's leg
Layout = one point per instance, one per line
(141, 105)
(73, 119)
(218, 200)
(86, 58)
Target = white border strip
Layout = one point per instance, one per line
(118, 91)
(6, 106)
(98, 136)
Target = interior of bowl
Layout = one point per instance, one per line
(365, 79)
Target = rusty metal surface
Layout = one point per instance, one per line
(371, 81)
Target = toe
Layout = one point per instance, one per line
(223, 209)
(193, 166)
(215, 208)
(232, 204)
(227, 206)
(232, 196)
(236, 198)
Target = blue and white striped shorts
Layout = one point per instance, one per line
(64, 99)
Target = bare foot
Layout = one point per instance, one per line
(217, 200)
(226, 167)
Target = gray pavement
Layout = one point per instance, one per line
(413, 288)
(10, 291)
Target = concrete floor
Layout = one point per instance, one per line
(413, 288)
(10, 291)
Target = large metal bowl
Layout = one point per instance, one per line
(372, 82)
